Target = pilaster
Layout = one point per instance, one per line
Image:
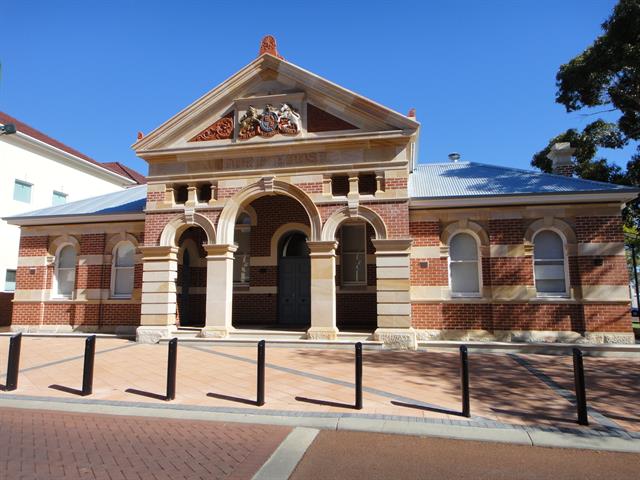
(393, 297)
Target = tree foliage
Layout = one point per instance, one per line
(606, 75)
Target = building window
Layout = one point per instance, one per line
(22, 191)
(339, 185)
(549, 264)
(464, 266)
(65, 272)
(59, 198)
(10, 281)
(242, 258)
(367, 184)
(353, 261)
(181, 194)
(122, 270)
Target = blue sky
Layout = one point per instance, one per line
(481, 74)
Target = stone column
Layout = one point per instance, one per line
(158, 309)
(323, 291)
(393, 294)
(219, 290)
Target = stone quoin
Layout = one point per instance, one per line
(281, 201)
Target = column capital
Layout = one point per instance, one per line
(225, 250)
(322, 248)
(394, 246)
(159, 253)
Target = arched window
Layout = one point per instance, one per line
(464, 266)
(122, 270)
(65, 271)
(549, 263)
(242, 258)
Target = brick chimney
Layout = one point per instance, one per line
(561, 155)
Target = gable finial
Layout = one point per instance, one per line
(412, 113)
(269, 45)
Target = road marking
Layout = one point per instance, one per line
(287, 456)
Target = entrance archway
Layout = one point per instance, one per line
(294, 281)
(191, 284)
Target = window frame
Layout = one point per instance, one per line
(565, 265)
(363, 282)
(58, 194)
(478, 262)
(56, 273)
(22, 183)
(244, 257)
(15, 271)
(114, 271)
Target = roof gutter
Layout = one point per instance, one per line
(68, 219)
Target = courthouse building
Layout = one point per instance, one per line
(280, 202)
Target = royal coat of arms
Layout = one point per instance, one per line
(269, 122)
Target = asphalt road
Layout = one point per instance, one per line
(357, 455)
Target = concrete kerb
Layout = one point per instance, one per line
(521, 435)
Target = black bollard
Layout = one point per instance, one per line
(14, 362)
(260, 386)
(359, 376)
(581, 391)
(464, 381)
(171, 369)
(87, 371)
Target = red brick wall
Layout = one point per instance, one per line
(506, 232)
(599, 229)
(356, 311)
(522, 316)
(254, 309)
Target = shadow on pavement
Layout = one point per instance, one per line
(231, 398)
(142, 393)
(425, 407)
(325, 403)
(64, 389)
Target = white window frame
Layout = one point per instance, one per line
(114, 269)
(346, 283)
(245, 258)
(567, 287)
(56, 272)
(478, 262)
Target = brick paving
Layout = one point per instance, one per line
(311, 381)
(55, 445)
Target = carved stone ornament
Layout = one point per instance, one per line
(270, 122)
(220, 130)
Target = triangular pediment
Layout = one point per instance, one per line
(272, 101)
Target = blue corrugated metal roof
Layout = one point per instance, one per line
(130, 200)
(470, 179)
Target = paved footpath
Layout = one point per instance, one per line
(53, 445)
(373, 456)
(37, 444)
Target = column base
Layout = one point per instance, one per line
(154, 333)
(397, 338)
(322, 333)
(215, 332)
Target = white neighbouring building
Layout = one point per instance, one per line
(38, 172)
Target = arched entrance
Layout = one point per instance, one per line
(294, 281)
(191, 284)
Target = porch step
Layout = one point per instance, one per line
(242, 337)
